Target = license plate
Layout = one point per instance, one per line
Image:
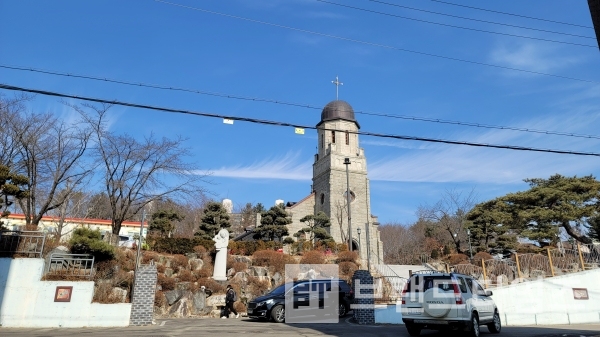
(250, 311)
(427, 321)
(414, 311)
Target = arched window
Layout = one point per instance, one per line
(347, 138)
(333, 137)
(322, 141)
(322, 198)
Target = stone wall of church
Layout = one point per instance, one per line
(301, 209)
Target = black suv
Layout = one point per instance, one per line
(272, 305)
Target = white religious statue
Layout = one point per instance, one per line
(221, 241)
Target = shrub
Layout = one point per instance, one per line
(125, 259)
(257, 286)
(105, 270)
(288, 241)
(269, 258)
(87, 241)
(186, 276)
(159, 299)
(347, 270)
(149, 256)
(179, 261)
(435, 254)
(160, 268)
(206, 271)
(457, 259)
(103, 294)
(166, 283)
(200, 250)
(179, 245)
(342, 247)
(312, 257)
(347, 256)
(481, 256)
(239, 266)
(239, 306)
(211, 284)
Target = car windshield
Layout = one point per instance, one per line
(278, 291)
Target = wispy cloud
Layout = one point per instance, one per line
(531, 56)
(289, 167)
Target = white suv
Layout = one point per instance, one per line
(440, 301)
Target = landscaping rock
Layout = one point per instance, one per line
(196, 264)
(173, 295)
(215, 301)
(168, 272)
(243, 259)
(191, 255)
(276, 280)
(230, 272)
(241, 277)
(120, 293)
(199, 304)
(181, 308)
(258, 271)
(183, 286)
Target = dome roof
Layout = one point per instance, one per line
(337, 110)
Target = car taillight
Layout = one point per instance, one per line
(351, 293)
(457, 295)
(404, 291)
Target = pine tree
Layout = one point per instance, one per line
(163, 221)
(214, 218)
(273, 224)
(13, 186)
(316, 227)
(489, 226)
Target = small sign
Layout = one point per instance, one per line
(299, 131)
(63, 294)
(227, 121)
(580, 294)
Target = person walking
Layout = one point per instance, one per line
(230, 298)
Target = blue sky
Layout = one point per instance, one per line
(160, 43)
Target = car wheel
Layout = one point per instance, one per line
(474, 326)
(496, 325)
(342, 310)
(413, 330)
(278, 314)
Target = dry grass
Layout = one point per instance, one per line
(186, 276)
(270, 258)
(239, 306)
(148, 256)
(103, 294)
(211, 284)
(159, 299)
(160, 268)
(457, 259)
(201, 251)
(347, 256)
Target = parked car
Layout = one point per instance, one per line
(271, 306)
(447, 301)
(127, 242)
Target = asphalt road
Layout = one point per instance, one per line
(246, 327)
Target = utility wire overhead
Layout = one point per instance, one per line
(511, 14)
(458, 27)
(380, 45)
(289, 124)
(301, 105)
(479, 20)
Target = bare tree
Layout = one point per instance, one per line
(49, 153)
(341, 213)
(137, 172)
(449, 215)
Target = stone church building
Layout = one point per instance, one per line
(337, 140)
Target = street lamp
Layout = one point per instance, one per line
(347, 162)
(470, 250)
(359, 244)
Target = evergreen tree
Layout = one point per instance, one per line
(12, 186)
(163, 221)
(273, 224)
(214, 218)
(316, 227)
(489, 226)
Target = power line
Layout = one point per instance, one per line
(511, 14)
(380, 45)
(458, 27)
(288, 124)
(303, 105)
(479, 20)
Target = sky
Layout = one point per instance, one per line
(290, 50)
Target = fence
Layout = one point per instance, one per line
(73, 265)
(22, 243)
(524, 267)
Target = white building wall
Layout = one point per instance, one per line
(26, 301)
(550, 300)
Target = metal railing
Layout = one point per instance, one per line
(74, 265)
(22, 243)
(395, 281)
